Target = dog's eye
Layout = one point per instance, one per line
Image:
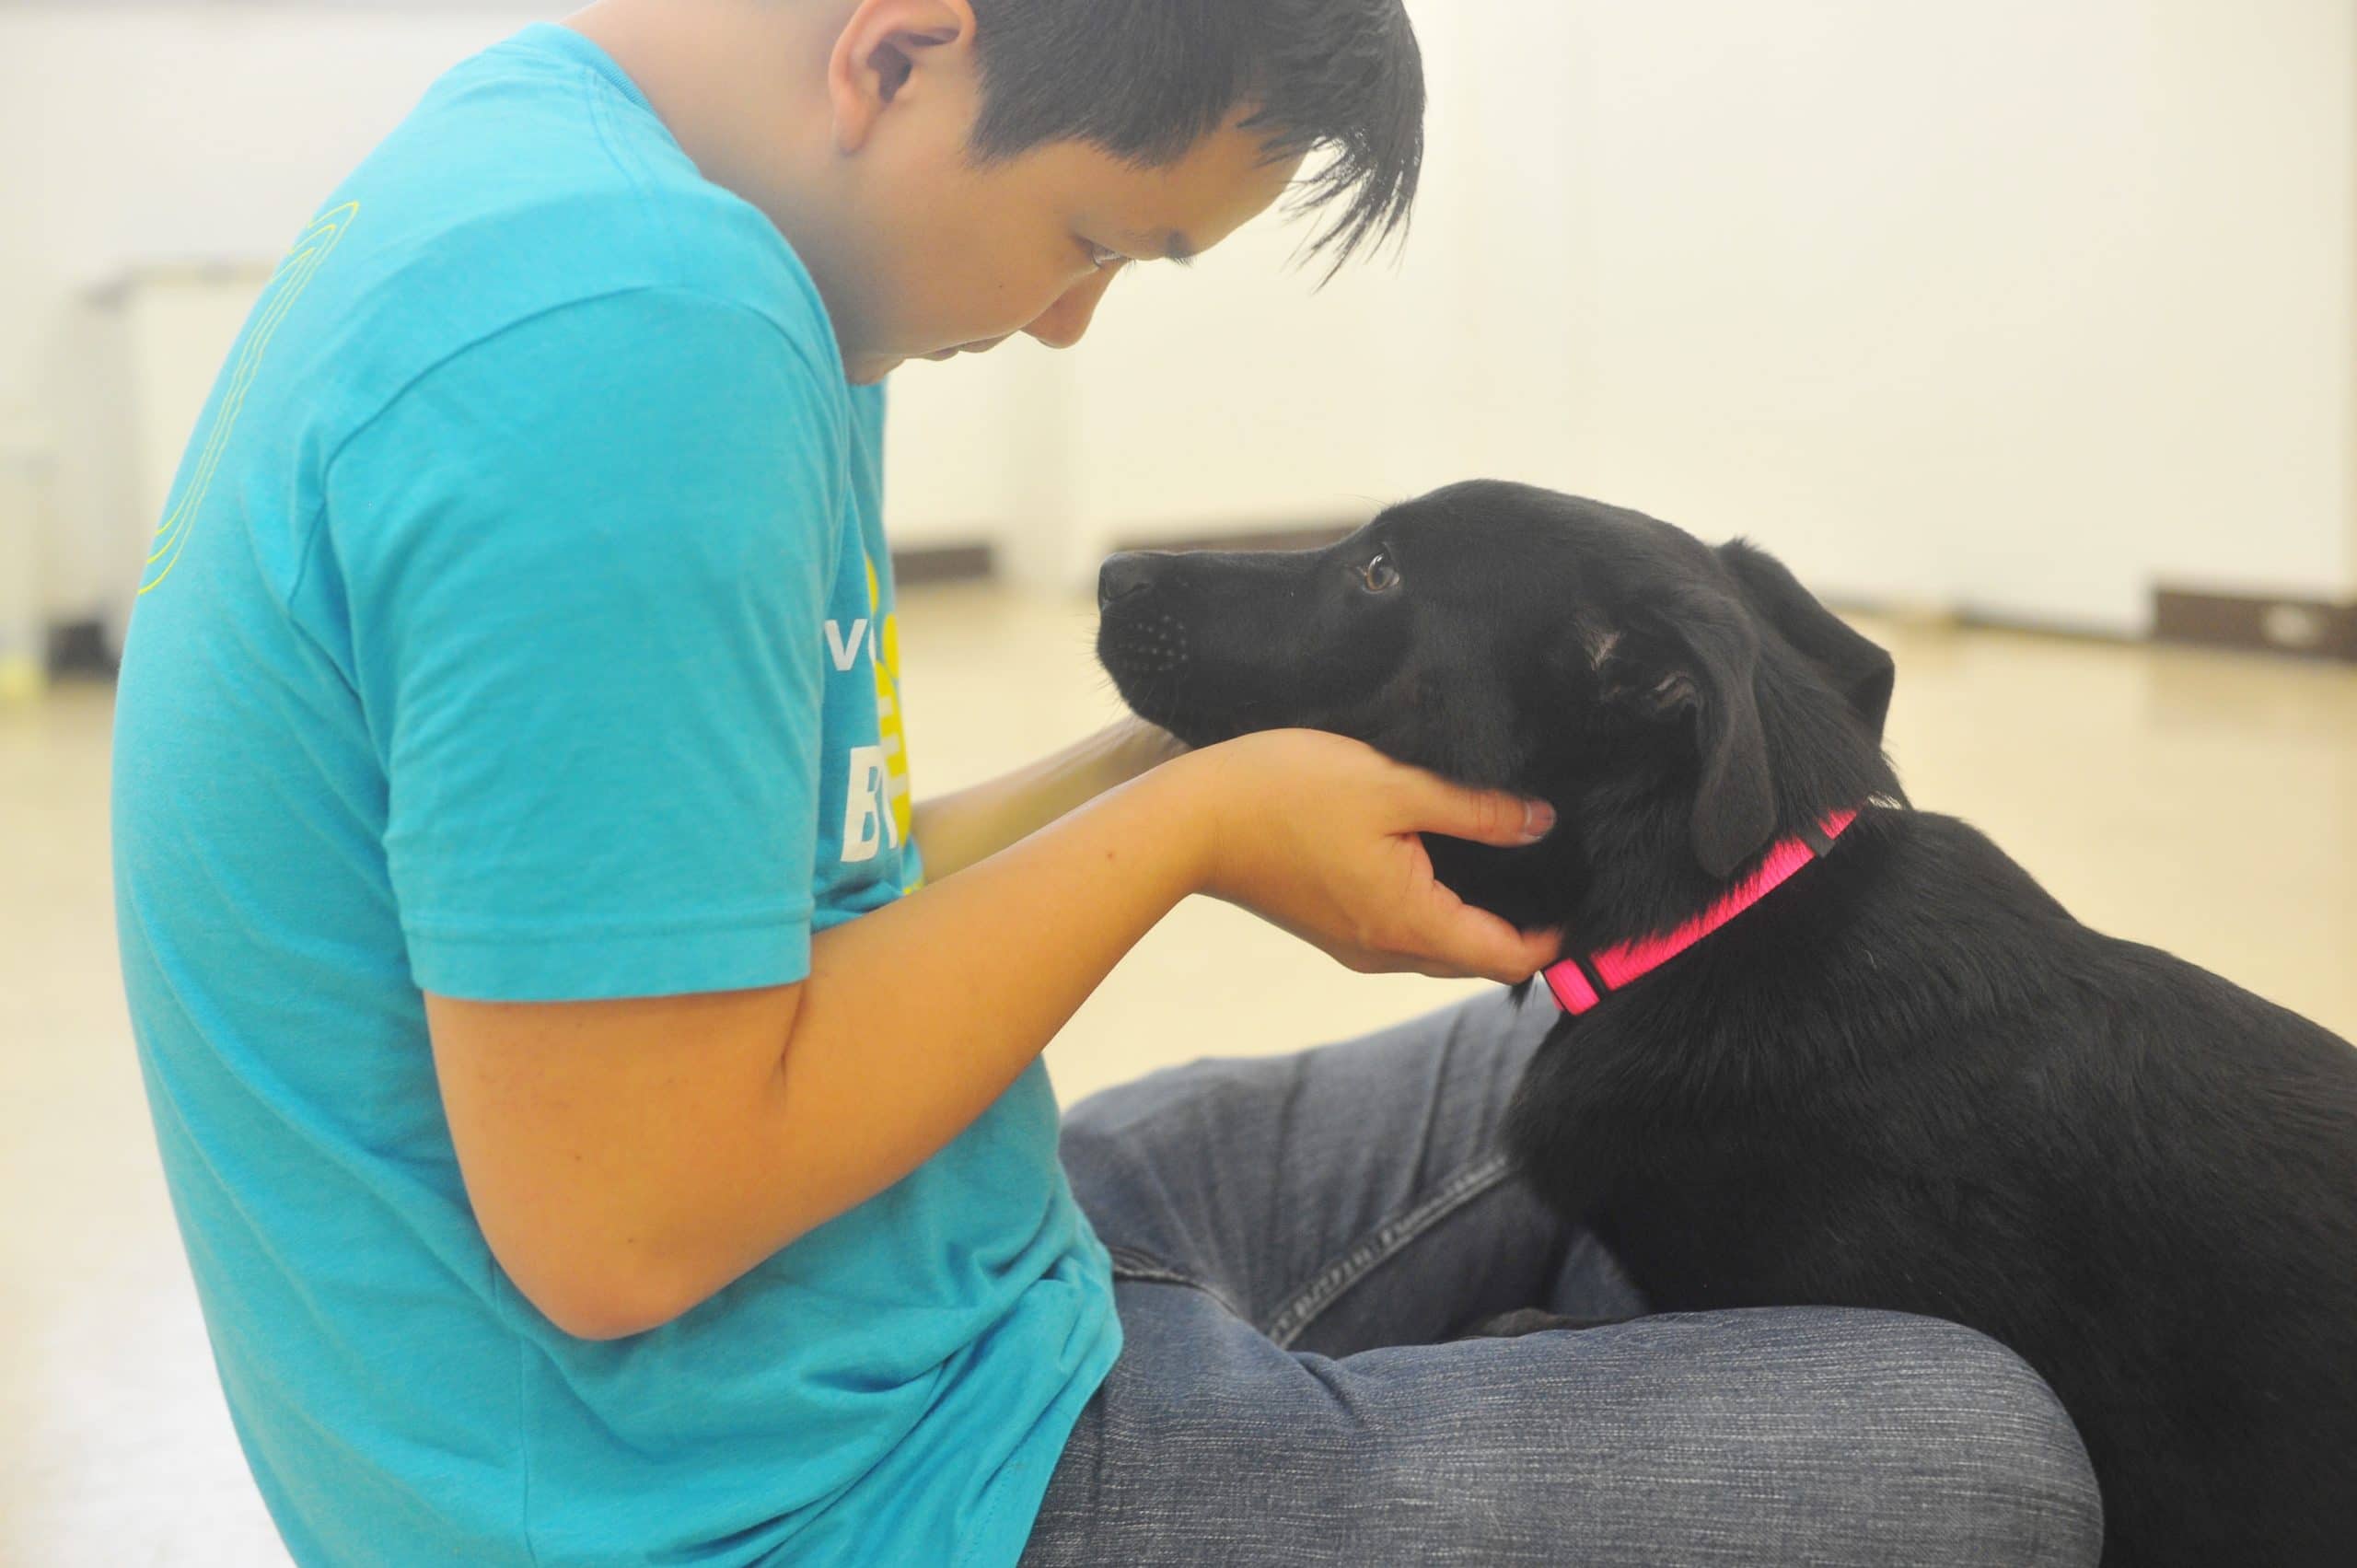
(1379, 574)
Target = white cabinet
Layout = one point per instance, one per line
(25, 488)
(141, 356)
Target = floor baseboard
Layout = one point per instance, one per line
(2308, 628)
(2313, 628)
(944, 564)
(1305, 536)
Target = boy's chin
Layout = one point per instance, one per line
(860, 370)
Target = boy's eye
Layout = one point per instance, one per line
(1101, 257)
(1379, 574)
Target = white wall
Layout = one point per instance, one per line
(2019, 302)
(2017, 305)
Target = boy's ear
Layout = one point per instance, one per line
(886, 55)
(1860, 670)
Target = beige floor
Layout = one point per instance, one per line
(2206, 804)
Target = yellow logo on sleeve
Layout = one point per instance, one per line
(878, 810)
(885, 648)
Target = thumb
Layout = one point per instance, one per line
(1483, 816)
(1476, 942)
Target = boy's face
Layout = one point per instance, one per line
(958, 258)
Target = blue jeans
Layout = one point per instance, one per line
(1293, 1238)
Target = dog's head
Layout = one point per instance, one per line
(1675, 703)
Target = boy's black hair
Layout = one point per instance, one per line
(1145, 79)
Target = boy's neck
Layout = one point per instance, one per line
(740, 85)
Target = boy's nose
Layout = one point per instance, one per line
(1065, 322)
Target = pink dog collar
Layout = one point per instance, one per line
(1580, 983)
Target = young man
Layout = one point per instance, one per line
(597, 1141)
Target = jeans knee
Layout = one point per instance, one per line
(1994, 1435)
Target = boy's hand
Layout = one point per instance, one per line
(1318, 834)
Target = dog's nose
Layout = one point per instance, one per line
(1123, 576)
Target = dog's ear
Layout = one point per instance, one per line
(1860, 670)
(1735, 807)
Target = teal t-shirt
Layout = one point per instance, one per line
(521, 628)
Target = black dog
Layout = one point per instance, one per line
(1907, 1078)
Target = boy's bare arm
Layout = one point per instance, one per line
(956, 831)
(627, 1159)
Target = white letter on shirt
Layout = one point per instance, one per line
(867, 816)
(845, 649)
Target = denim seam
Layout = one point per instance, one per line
(1388, 1240)
(1130, 1264)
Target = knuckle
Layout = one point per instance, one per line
(1500, 814)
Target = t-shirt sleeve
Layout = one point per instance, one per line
(587, 563)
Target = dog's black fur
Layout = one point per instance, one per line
(1907, 1079)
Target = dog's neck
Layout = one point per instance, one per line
(1640, 875)
(1581, 981)
(1622, 868)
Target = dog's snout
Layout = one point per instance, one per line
(1123, 576)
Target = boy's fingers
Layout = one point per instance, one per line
(1508, 955)
(1483, 815)
(1480, 943)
